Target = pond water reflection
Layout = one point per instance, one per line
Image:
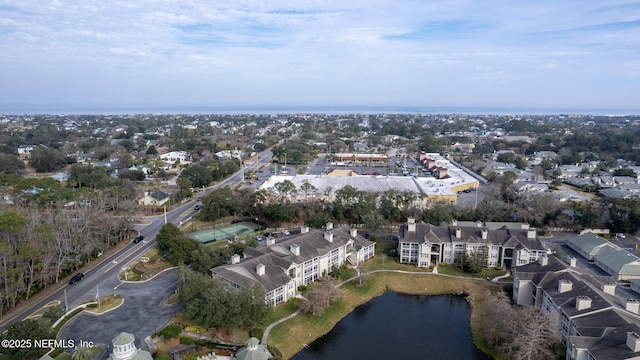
(399, 326)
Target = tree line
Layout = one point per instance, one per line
(40, 245)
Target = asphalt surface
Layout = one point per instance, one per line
(142, 313)
(102, 275)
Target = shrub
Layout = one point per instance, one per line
(161, 356)
(171, 332)
(195, 329)
(443, 264)
(66, 318)
(302, 288)
(256, 333)
(202, 342)
(92, 305)
(185, 340)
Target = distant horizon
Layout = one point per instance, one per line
(114, 110)
(514, 57)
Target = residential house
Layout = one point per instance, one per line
(425, 244)
(154, 198)
(25, 150)
(622, 180)
(527, 188)
(173, 156)
(279, 268)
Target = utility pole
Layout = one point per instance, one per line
(165, 214)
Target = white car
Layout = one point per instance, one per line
(620, 236)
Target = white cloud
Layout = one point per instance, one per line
(292, 51)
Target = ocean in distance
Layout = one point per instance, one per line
(23, 109)
(400, 326)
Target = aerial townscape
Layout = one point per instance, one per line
(319, 180)
(211, 236)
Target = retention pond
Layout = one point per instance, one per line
(400, 326)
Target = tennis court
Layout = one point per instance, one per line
(224, 233)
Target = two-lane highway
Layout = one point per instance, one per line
(103, 277)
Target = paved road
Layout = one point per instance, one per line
(103, 275)
(142, 313)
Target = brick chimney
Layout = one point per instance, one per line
(295, 249)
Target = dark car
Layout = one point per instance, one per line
(197, 207)
(75, 278)
(137, 239)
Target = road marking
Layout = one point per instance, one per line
(118, 261)
(38, 313)
(117, 286)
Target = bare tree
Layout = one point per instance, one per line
(319, 299)
(521, 332)
(533, 335)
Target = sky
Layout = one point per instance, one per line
(546, 54)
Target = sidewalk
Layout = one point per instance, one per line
(26, 305)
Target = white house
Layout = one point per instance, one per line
(174, 156)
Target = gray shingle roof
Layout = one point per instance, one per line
(512, 237)
(278, 258)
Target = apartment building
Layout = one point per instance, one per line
(505, 244)
(280, 267)
(594, 322)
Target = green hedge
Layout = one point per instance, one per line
(171, 332)
(185, 340)
(66, 318)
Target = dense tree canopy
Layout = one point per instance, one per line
(212, 303)
(175, 246)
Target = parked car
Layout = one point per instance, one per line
(197, 207)
(75, 278)
(620, 236)
(137, 239)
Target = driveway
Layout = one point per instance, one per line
(142, 313)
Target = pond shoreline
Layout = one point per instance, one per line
(286, 336)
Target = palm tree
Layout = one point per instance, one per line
(82, 353)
